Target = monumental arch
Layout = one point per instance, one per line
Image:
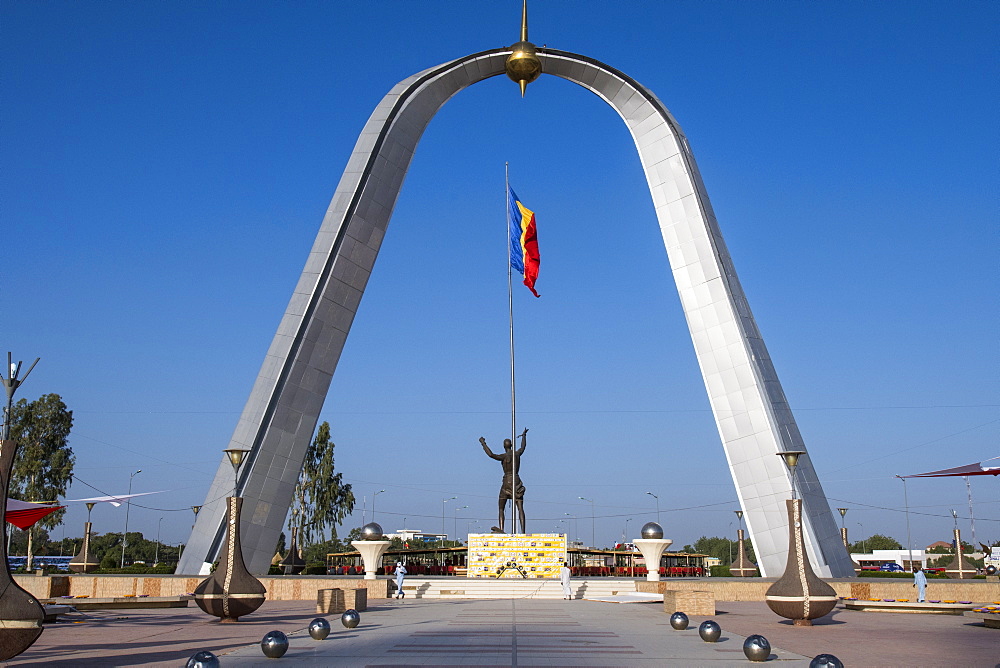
(750, 410)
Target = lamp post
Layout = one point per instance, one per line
(798, 594)
(843, 529)
(373, 502)
(444, 501)
(20, 613)
(625, 535)
(593, 522)
(657, 506)
(156, 558)
(456, 519)
(730, 547)
(574, 526)
(231, 592)
(864, 543)
(128, 506)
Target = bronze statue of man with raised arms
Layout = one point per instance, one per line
(511, 461)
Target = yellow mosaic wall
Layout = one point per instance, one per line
(540, 555)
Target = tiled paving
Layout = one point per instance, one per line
(513, 632)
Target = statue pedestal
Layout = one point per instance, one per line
(652, 549)
(371, 553)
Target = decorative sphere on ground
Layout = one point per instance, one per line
(203, 659)
(826, 661)
(756, 648)
(371, 531)
(991, 570)
(679, 621)
(274, 645)
(319, 629)
(709, 631)
(652, 531)
(350, 618)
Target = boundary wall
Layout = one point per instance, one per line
(278, 588)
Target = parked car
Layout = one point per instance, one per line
(891, 568)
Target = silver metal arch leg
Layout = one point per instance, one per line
(750, 409)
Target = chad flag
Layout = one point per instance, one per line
(523, 239)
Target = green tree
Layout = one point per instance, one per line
(876, 542)
(43, 468)
(321, 499)
(722, 548)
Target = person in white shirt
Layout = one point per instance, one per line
(920, 582)
(564, 575)
(400, 573)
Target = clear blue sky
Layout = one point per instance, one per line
(166, 167)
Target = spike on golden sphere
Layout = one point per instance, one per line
(523, 65)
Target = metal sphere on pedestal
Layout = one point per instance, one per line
(679, 621)
(350, 618)
(372, 531)
(319, 629)
(652, 531)
(203, 659)
(826, 661)
(756, 648)
(991, 570)
(709, 631)
(274, 645)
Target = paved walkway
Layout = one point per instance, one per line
(513, 632)
(520, 632)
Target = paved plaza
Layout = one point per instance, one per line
(510, 632)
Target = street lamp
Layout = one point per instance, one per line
(864, 543)
(456, 519)
(574, 525)
(791, 458)
(625, 535)
(593, 521)
(236, 457)
(156, 558)
(11, 383)
(444, 501)
(657, 506)
(373, 502)
(128, 506)
(730, 547)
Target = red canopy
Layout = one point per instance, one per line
(988, 467)
(23, 514)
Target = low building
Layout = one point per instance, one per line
(907, 559)
(416, 536)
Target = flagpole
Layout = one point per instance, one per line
(513, 394)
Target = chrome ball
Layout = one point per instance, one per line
(991, 570)
(274, 645)
(203, 659)
(709, 631)
(826, 661)
(372, 531)
(652, 531)
(756, 648)
(350, 619)
(679, 621)
(319, 629)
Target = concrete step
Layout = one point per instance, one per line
(510, 588)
